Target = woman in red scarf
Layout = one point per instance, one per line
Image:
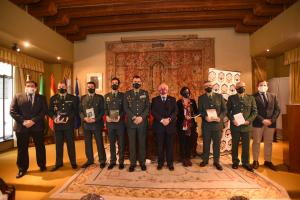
(186, 126)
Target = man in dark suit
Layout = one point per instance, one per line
(244, 104)
(164, 111)
(114, 101)
(264, 124)
(28, 110)
(91, 112)
(64, 103)
(137, 106)
(211, 127)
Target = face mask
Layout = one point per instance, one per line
(62, 91)
(240, 90)
(136, 85)
(30, 90)
(163, 91)
(186, 95)
(114, 87)
(91, 90)
(262, 89)
(208, 90)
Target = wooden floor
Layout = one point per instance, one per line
(38, 185)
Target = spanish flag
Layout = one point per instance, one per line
(52, 92)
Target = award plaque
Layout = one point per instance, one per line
(212, 114)
(113, 115)
(90, 113)
(61, 116)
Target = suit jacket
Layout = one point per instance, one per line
(217, 103)
(247, 108)
(136, 106)
(181, 117)
(97, 103)
(272, 110)
(70, 105)
(159, 111)
(116, 103)
(20, 111)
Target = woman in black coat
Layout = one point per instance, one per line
(186, 125)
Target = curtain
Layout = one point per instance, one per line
(292, 58)
(20, 60)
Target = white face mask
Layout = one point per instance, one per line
(262, 88)
(30, 90)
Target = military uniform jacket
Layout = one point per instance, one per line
(136, 106)
(217, 103)
(96, 103)
(247, 108)
(70, 105)
(116, 103)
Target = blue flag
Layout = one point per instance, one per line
(77, 118)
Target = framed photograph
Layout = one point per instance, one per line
(97, 79)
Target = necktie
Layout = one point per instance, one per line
(241, 98)
(164, 99)
(265, 99)
(136, 93)
(62, 99)
(210, 97)
(90, 97)
(30, 101)
(114, 95)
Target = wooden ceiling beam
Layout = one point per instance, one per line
(81, 35)
(23, 2)
(242, 28)
(251, 19)
(46, 10)
(281, 1)
(267, 9)
(64, 30)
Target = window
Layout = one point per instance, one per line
(6, 95)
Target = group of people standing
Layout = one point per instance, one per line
(29, 109)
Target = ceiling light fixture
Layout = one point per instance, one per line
(26, 44)
(58, 58)
(15, 48)
(268, 50)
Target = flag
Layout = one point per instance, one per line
(65, 79)
(42, 92)
(52, 92)
(77, 118)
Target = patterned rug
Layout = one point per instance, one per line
(192, 182)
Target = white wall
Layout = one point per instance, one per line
(232, 51)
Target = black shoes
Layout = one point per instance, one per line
(74, 166)
(102, 165)
(218, 166)
(55, 168)
(203, 164)
(143, 167)
(270, 165)
(171, 168)
(248, 167)
(255, 164)
(235, 166)
(85, 165)
(121, 166)
(111, 165)
(131, 168)
(159, 167)
(43, 168)
(21, 174)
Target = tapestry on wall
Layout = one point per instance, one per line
(176, 63)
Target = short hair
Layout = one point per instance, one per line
(31, 82)
(137, 77)
(262, 81)
(115, 78)
(62, 82)
(183, 89)
(91, 82)
(206, 82)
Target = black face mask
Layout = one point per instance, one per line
(240, 90)
(114, 87)
(208, 90)
(62, 90)
(91, 90)
(136, 85)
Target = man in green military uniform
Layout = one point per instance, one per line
(91, 112)
(114, 102)
(60, 105)
(244, 104)
(211, 127)
(137, 106)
